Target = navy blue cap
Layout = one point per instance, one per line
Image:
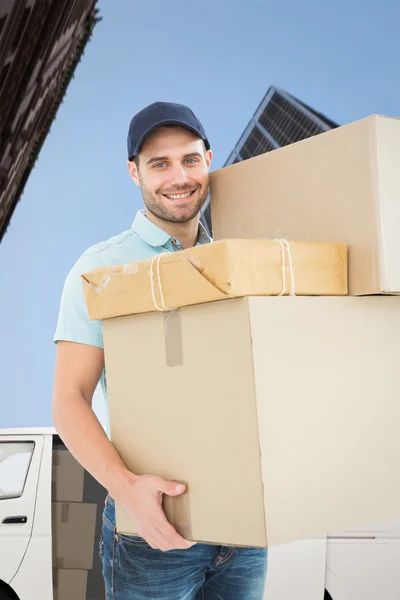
(156, 115)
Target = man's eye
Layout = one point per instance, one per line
(191, 159)
(159, 165)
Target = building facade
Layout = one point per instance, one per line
(41, 43)
(280, 119)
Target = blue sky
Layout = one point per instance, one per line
(219, 57)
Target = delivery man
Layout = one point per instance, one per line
(169, 157)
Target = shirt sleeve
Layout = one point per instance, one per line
(73, 323)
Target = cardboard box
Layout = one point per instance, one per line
(67, 477)
(226, 269)
(282, 415)
(69, 583)
(73, 531)
(343, 185)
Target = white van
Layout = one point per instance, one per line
(48, 541)
(50, 525)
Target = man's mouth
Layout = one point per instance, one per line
(179, 196)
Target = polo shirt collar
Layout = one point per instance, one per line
(155, 236)
(148, 231)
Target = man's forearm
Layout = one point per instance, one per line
(85, 438)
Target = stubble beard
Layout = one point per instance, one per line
(161, 212)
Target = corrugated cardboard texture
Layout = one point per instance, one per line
(327, 372)
(69, 584)
(227, 269)
(343, 185)
(195, 423)
(67, 477)
(73, 530)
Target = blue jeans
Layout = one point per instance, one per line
(134, 571)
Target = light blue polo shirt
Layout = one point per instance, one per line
(143, 240)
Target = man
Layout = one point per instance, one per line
(169, 157)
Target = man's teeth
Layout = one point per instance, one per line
(178, 196)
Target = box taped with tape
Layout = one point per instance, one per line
(276, 412)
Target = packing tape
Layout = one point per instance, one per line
(173, 338)
(59, 563)
(177, 511)
(64, 512)
(57, 458)
(53, 489)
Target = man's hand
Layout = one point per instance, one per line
(142, 500)
(78, 370)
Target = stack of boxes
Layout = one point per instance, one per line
(73, 528)
(280, 413)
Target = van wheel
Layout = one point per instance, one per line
(327, 596)
(7, 594)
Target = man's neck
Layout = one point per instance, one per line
(186, 233)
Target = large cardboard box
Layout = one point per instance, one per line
(282, 415)
(73, 531)
(69, 584)
(225, 269)
(67, 477)
(343, 185)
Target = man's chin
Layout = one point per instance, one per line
(182, 216)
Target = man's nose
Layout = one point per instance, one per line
(178, 175)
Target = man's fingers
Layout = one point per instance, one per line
(171, 536)
(171, 488)
(147, 511)
(152, 541)
(157, 541)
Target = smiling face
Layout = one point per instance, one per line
(172, 171)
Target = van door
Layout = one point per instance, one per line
(20, 459)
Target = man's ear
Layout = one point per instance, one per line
(209, 156)
(133, 171)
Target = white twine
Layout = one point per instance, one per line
(163, 307)
(285, 246)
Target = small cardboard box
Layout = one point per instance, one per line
(343, 185)
(226, 269)
(69, 584)
(67, 477)
(281, 415)
(73, 531)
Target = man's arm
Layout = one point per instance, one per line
(77, 373)
(78, 370)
